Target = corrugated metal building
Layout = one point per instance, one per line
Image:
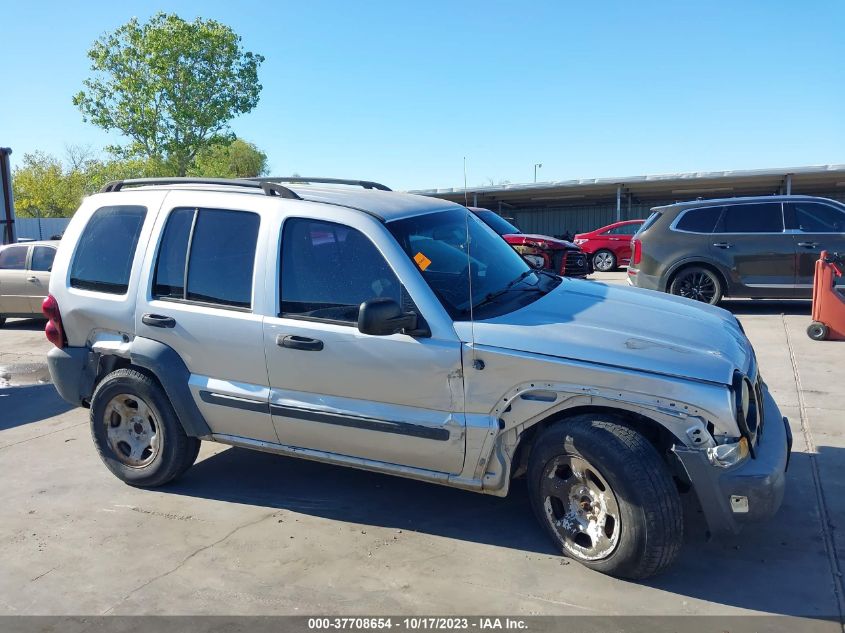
(553, 208)
(40, 228)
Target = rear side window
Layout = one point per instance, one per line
(13, 258)
(42, 258)
(765, 217)
(103, 258)
(214, 250)
(625, 229)
(814, 217)
(699, 220)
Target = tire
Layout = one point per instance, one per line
(136, 431)
(817, 331)
(604, 261)
(646, 533)
(697, 283)
(2, 321)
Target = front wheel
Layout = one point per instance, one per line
(605, 496)
(604, 261)
(136, 431)
(817, 331)
(697, 283)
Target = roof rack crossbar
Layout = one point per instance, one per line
(269, 188)
(366, 184)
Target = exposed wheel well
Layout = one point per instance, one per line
(105, 366)
(722, 279)
(656, 434)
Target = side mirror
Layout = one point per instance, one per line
(382, 317)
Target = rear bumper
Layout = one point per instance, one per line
(638, 279)
(67, 371)
(749, 492)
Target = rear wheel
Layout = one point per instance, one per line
(605, 497)
(817, 331)
(604, 260)
(698, 283)
(136, 431)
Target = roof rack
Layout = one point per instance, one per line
(269, 188)
(366, 184)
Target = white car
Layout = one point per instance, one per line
(25, 278)
(401, 334)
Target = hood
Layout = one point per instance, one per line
(624, 327)
(541, 241)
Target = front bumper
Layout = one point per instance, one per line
(751, 491)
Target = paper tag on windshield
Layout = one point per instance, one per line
(422, 261)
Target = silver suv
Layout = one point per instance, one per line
(400, 334)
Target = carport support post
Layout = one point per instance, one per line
(618, 203)
(789, 184)
(475, 199)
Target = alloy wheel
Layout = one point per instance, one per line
(603, 261)
(581, 507)
(699, 286)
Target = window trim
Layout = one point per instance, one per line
(152, 296)
(724, 206)
(313, 319)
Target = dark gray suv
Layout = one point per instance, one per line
(761, 247)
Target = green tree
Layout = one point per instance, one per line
(170, 86)
(238, 159)
(43, 186)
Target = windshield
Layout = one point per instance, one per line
(496, 222)
(437, 242)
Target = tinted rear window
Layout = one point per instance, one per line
(169, 278)
(699, 220)
(103, 259)
(765, 217)
(815, 217)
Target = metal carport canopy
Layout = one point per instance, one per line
(663, 187)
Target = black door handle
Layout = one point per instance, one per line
(158, 320)
(299, 342)
(722, 244)
(808, 244)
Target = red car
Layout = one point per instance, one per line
(541, 251)
(609, 246)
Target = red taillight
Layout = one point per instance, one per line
(54, 330)
(638, 251)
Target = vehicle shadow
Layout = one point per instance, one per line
(31, 325)
(28, 404)
(749, 307)
(778, 567)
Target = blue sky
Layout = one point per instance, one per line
(401, 91)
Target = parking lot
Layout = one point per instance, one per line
(251, 533)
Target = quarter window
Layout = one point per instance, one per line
(812, 217)
(13, 257)
(699, 220)
(103, 259)
(220, 265)
(42, 258)
(752, 218)
(329, 269)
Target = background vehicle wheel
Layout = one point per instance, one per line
(2, 321)
(817, 331)
(698, 283)
(605, 497)
(136, 431)
(604, 261)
